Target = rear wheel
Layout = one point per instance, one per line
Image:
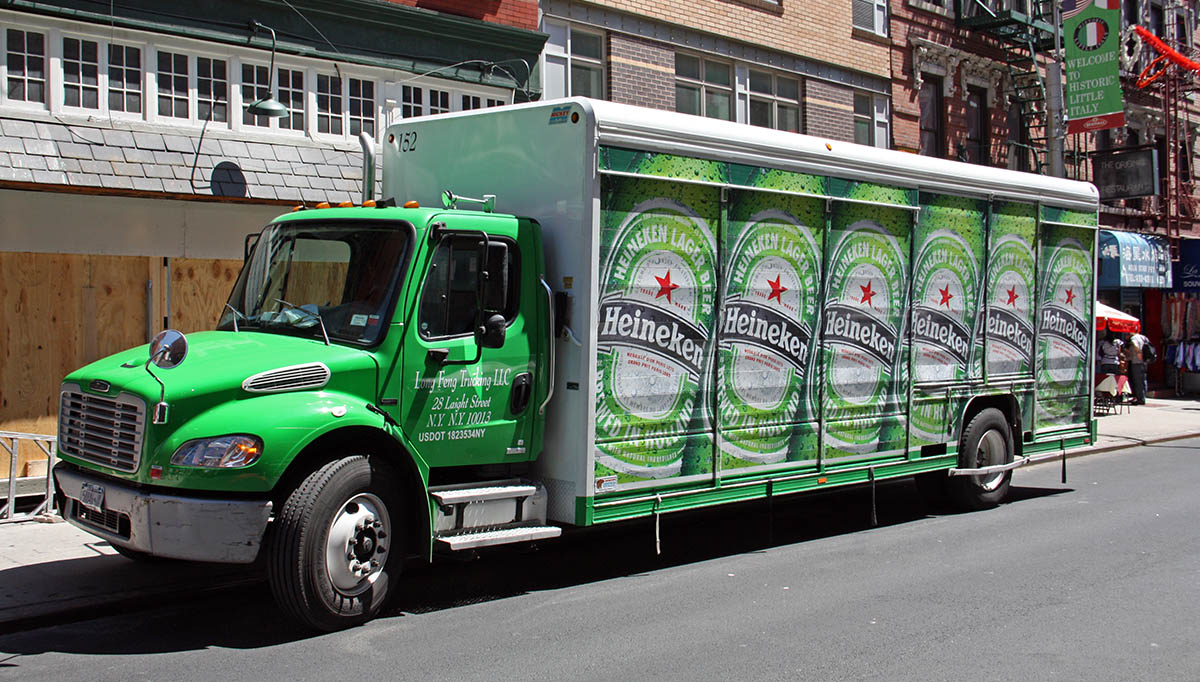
(334, 551)
(988, 441)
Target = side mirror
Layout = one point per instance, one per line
(168, 349)
(491, 333)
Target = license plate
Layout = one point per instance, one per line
(92, 496)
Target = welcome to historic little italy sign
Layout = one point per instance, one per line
(1092, 30)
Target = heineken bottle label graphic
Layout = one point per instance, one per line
(766, 333)
(654, 331)
(1064, 332)
(863, 317)
(1009, 315)
(944, 292)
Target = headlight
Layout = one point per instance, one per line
(224, 452)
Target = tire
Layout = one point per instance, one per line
(988, 441)
(335, 548)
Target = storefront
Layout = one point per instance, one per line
(1134, 273)
(1181, 321)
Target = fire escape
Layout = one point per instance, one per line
(1171, 77)
(1024, 29)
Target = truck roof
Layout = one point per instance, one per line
(633, 127)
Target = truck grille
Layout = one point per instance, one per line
(114, 522)
(99, 429)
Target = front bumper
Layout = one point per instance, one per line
(171, 526)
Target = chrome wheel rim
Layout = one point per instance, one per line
(992, 451)
(359, 537)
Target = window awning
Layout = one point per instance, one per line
(1133, 260)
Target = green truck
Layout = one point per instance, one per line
(640, 312)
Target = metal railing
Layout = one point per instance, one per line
(17, 488)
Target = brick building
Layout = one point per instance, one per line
(787, 64)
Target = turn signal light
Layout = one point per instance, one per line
(411, 204)
(323, 204)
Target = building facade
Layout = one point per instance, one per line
(131, 169)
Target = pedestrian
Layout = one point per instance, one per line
(1110, 355)
(1149, 355)
(1137, 368)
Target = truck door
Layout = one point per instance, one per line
(466, 399)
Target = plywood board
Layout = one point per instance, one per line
(199, 289)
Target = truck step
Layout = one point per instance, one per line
(502, 536)
(486, 506)
(482, 494)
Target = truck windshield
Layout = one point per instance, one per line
(345, 273)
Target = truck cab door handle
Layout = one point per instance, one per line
(522, 390)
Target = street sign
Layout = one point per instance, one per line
(1093, 30)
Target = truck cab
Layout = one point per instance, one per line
(372, 365)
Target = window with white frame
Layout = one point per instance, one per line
(291, 95)
(362, 107)
(26, 66)
(872, 124)
(439, 101)
(256, 85)
(573, 61)
(703, 87)
(173, 90)
(871, 15)
(774, 101)
(212, 89)
(412, 102)
(81, 73)
(329, 104)
(124, 78)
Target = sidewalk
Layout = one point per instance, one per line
(53, 572)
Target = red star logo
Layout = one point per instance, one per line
(1012, 296)
(776, 289)
(665, 286)
(867, 293)
(1070, 296)
(946, 296)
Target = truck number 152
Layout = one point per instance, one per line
(408, 141)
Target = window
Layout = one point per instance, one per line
(774, 101)
(574, 62)
(291, 95)
(871, 15)
(449, 304)
(173, 84)
(703, 87)
(932, 122)
(212, 90)
(329, 104)
(362, 107)
(26, 66)
(256, 85)
(81, 73)
(976, 148)
(439, 101)
(412, 102)
(125, 79)
(872, 125)
(1018, 141)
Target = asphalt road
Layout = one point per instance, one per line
(1095, 580)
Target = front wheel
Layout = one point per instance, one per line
(988, 441)
(335, 546)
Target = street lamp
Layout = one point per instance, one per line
(267, 106)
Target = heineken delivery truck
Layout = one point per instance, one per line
(639, 312)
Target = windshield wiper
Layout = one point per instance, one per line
(310, 313)
(238, 313)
